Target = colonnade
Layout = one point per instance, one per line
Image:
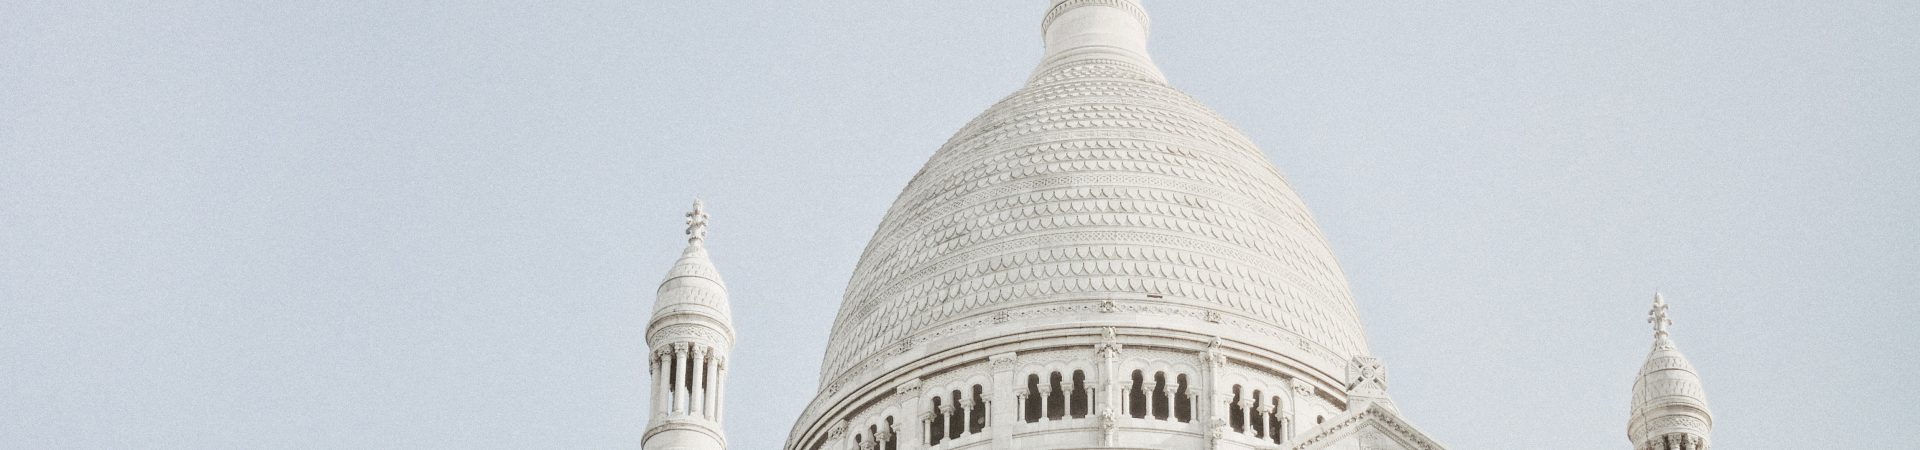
(688, 380)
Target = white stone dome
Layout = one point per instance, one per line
(1669, 402)
(693, 298)
(1097, 182)
(1667, 380)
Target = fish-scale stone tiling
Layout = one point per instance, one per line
(1096, 180)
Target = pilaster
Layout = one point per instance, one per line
(1213, 418)
(911, 426)
(999, 402)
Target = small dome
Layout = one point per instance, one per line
(692, 301)
(1668, 400)
(693, 286)
(1667, 379)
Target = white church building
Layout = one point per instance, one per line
(1098, 261)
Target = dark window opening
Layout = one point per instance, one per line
(1080, 397)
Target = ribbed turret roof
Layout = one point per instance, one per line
(1667, 388)
(693, 290)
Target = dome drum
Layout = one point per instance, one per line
(1081, 373)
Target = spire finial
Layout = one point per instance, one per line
(1658, 315)
(697, 223)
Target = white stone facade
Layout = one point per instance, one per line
(1669, 405)
(691, 335)
(1098, 261)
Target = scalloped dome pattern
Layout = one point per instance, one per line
(1096, 180)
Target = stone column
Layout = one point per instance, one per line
(966, 415)
(926, 426)
(1020, 413)
(882, 437)
(719, 394)
(1247, 410)
(697, 399)
(678, 388)
(1266, 421)
(1001, 417)
(657, 365)
(946, 421)
(1193, 404)
(1153, 386)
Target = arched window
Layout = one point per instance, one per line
(1235, 416)
(1081, 397)
(1056, 398)
(1031, 410)
(938, 423)
(1137, 396)
(957, 419)
(1183, 403)
(1259, 428)
(1279, 431)
(889, 436)
(979, 420)
(1161, 408)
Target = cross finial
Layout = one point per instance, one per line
(1658, 315)
(697, 223)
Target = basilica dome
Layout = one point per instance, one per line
(1097, 185)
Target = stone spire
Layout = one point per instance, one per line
(1077, 31)
(1669, 406)
(691, 335)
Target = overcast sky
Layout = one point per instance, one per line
(361, 224)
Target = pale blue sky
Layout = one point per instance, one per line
(409, 225)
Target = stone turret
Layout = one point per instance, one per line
(690, 335)
(1669, 406)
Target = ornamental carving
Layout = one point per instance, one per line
(908, 390)
(837, 431)
(1004, 361)
(1300, 387)
(1109, 428)
(1368, 373)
